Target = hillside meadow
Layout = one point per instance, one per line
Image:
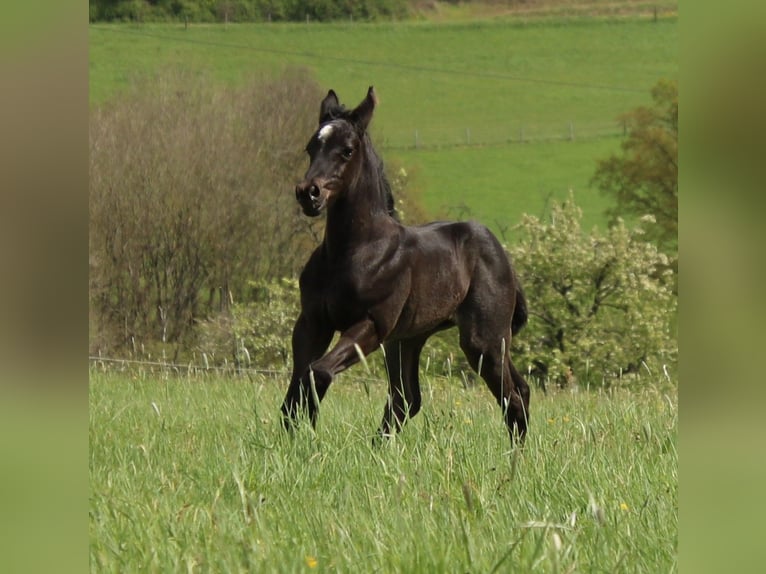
(193, 472)
(491, 119)
(497, 116)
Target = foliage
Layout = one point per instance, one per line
(644, 177)
(243, 10)
(197, 474)
(407, 194)
(257, 332)
(600, 304)
(189, 197)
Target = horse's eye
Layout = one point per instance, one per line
(347, 152)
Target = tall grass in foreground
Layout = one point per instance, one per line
(196, 474)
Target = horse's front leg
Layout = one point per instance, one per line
(310, 340)
(316, 380)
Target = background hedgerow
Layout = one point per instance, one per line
(255, 332)
(601, 303)
(190, 197)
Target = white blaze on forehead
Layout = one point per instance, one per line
(325, 132)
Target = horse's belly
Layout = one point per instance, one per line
(428, 307)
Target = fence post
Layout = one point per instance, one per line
(468, 136)
(571, 131)
(416, 139)
(521, 134)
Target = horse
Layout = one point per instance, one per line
(380, 283)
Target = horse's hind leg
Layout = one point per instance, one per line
(402, 363)
(522, 391)
(487, 351)
(506, 384)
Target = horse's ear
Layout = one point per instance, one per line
(329, 104)
(362, 115)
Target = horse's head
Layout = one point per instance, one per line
(335, 152)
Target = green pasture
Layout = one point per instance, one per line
(490, 119)
(496, 184)
(195, 473)
(456, 99)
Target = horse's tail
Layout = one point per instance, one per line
(520, 315)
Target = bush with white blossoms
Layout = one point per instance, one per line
(600, 304)
(256, 333)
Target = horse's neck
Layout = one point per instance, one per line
(355, 219)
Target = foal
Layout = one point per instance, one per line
(378, 282)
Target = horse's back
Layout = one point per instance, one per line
(491, 287)
(466, 251)
(470, 240)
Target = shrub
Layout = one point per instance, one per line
(600, 305)
(245, 10)
(256, 333)
(190, 195)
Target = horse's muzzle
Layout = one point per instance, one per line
(311, 196)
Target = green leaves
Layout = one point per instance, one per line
(644, 177)
(260, 329)
(600, 304)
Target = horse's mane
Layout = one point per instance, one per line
(340, 112)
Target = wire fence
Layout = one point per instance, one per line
(166, 369)
(435, 137)
(162, 366)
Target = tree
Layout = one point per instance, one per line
(643, 178)
(599, 304)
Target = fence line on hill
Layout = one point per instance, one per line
(432, 137)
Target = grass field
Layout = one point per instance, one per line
(501, 182)
(484, 83)
(195, 474)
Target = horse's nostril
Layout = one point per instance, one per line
(314, 191)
